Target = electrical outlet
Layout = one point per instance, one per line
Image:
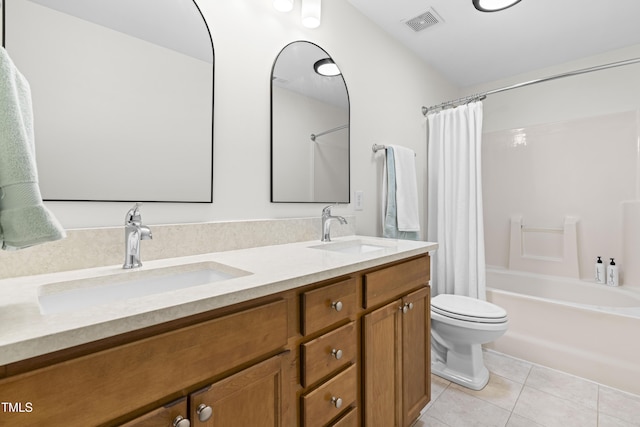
(359, 196)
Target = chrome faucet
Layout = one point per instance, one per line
(134, 232)
(326, 222)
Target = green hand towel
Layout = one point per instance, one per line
(24, 220)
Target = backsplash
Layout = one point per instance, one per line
(96, 247)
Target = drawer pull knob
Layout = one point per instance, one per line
(336, 305)
(204, 412)
(336, 353)
(180, 421)
(337, 402)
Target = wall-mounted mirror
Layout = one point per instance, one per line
(309, 128)
(122, 96)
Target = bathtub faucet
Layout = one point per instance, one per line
(326, 222)
(134, 232)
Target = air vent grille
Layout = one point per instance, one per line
(423, 21)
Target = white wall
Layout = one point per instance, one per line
(387, 86)
(581, 158)
(597, 93)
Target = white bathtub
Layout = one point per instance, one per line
(583, 328)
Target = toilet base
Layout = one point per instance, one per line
(477, 382)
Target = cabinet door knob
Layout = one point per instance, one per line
(180, 421)
(336, 305)
(337, 402)
(336, 353)
(204, 412)
(406, 307)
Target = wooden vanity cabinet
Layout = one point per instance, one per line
(390, 349)
(396, 345)
(346, 352)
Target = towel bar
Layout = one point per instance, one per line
(376, 148)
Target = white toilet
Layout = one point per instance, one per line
(459, 327)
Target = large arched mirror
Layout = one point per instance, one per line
(122, 95)
(309, 127)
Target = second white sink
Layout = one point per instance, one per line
(79, 294)
(351, 247)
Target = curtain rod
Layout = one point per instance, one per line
(483, 95)
(315, 135)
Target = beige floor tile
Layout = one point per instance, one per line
(538, 396)
(499, 391)
(427, 421)
(518, 421)
(513, 369)
(623, 406)
(459, 409)
(552, 411)
(563, 385)
(605, 420)
(438, 385)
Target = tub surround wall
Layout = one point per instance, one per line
(587, 166)
(631, 241)
(96, 247)
(550, 250)
(584, 168)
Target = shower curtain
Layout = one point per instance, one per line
(454, 208)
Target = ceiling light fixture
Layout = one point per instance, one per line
(310, 13)
(283, 5)
(493, 5)
(326, 67)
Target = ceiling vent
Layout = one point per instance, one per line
(423, 21)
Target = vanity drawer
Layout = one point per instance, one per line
(327, 305)
(330, 399)
(391, 282)
(349, 420)
(328, 353)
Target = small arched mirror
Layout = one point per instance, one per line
(122, 97)
(309, 127)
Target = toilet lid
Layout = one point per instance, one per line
(466, 308)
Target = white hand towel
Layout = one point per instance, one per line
(406, 189)
(24, 220)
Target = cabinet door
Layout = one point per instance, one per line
(416, 354)
(169, 416)
(382, 366)
(250, 398)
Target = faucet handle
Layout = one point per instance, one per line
(133, 215)
(327, 209)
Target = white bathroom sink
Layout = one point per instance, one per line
(126, 284)
(351, 247)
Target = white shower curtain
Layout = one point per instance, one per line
(454, 208)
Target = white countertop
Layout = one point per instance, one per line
(25, 332)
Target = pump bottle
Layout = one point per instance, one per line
(612, 273)
(600, 272)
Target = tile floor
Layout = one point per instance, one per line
(522, 394)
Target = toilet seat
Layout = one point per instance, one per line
(467, 309)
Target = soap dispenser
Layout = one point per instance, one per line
(600, 272)
(612, 273)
